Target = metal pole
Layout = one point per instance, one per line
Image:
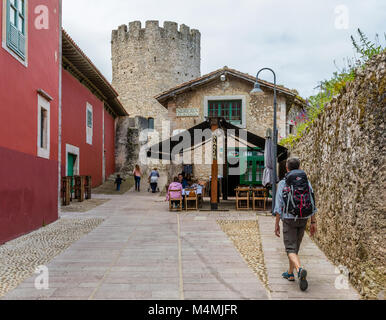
(274, 136)
(274, 146)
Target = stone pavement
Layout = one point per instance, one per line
(142, 251)
(321, 272)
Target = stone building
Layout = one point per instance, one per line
(227, 93)
(150, 60)
(156, 72)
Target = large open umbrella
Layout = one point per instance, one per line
(268, 163)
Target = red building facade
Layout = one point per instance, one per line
(47, 84)
(29, 104)
(89, 109)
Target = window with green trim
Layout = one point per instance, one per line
(16, 30)
(231, 110)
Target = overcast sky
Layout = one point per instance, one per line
(299, 39)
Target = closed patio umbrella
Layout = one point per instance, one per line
(268, 163)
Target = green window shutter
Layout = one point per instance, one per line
(89, 118)
(151, 124)
(15, 26)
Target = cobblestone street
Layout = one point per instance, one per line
(142, 251)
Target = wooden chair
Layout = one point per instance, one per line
(79, 188)
(261, 195)
(201, 198)
(179, 201)
(191, 197)
(87, 187)
(242, 194)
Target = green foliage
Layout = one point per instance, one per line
(333, 87)
(365, 47)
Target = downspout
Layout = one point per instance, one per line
(60, 109)
(103, 146)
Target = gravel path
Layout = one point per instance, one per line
(245, 236)
(20, 257)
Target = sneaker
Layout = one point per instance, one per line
(302, 276)
(288, 276)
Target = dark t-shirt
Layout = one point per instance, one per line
(118, 180)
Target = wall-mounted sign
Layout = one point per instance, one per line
(187, 112)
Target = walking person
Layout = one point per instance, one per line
(153, 180)
(295, 205)
(137, 177)
(118, 182)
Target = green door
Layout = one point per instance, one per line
(252, 167)
(71, 158)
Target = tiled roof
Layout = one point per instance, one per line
(215, 74)
(75, 59)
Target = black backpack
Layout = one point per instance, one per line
(298, 198)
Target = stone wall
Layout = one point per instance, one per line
(344, 156)
(128, 144)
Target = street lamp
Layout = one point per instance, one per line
(257, 89)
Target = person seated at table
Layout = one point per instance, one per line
(189, 179)
(197, 186)
(182, 180)
(175, 185)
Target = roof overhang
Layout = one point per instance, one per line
(201, 81)
(81, 67)
(187, 141)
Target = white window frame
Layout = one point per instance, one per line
(89, 131)
(43, 104)
(76, 151)
(4, 45)
(243, 99)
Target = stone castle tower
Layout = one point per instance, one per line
(149, 61)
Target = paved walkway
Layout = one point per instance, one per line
(142, 251)
(321, 272)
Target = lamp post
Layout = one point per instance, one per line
(257, 89)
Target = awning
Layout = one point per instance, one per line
(186, 141)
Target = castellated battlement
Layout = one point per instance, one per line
(148, 61)
(152, 30)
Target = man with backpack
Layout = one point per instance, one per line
(295, 205)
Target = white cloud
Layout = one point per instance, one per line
(297, 38)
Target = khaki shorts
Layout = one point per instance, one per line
(293, 232)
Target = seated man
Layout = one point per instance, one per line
(182, 180)
(176, 185)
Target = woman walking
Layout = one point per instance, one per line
(137, 177)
